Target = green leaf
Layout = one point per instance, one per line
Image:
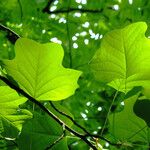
(10, 111)
(38, 70)
(42, 131)
(125, 126)
(123, 58)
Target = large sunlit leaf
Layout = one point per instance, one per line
(38, 70)
(123, 58)
(9, 108)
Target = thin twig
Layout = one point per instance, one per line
(109, 110)
(47, 7)
(106, 140)
(55, 142)
(21, 12)
(70, 118)
(10, 140)
(74, 9)
(11, 35)
(33, 100)
(68, 34)
(87, 133)
(136, 133)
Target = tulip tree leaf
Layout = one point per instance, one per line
(123, 58)
(9, 110)
(38, 70)
(125, 126)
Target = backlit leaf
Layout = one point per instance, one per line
(123, 58)
(38, 70)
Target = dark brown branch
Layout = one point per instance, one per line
(11, 35)
(47, 7)
(70, 118)
(55, 142)
(87, 133)
(74, 9)
(33, 100)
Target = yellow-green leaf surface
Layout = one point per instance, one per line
(123, 59)
(9, 107)
(38, 70)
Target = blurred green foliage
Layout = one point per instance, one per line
(79, 25)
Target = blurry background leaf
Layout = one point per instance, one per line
(79, 26)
